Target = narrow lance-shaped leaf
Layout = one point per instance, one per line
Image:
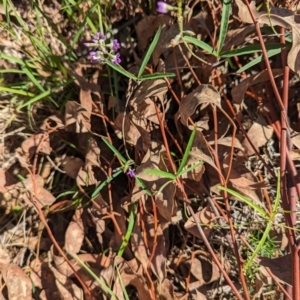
(114, 150)
(121, 70)
(200, 44)
(155, 76)
(224, 23)
(149, 52)
(160, 173)
(187, 151)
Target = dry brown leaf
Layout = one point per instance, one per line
(200, 151)
(165, 197)
(281, 267)
(28, 189)
(238, 92)
(117, 238)
(77, 118)
(277, 17)
(147, 26)
(138, 247)
(147, 89)
(51, 123)
(86, 175)
(244, 181)
(164, 42)
(166, 290)
(66, 287)
(71, 165)
(131, 274)
(227, 141)
(203, 269)
(43, 279)
(202, 96)
(203, 217)
(237, 36)
(17, 282)
(6, 179)
(259, 134)
(4, 256)
(194, 158)
(81, 81)
(158, 262)
(28, 148)
(295, 138)
(95, 262)
(74, 235)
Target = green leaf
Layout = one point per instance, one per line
(258, 59)
(224, 23)
(101, 282)
(250, 49)
(156, 76)
(200, 44)
(187, 150)
(114, 150)
(35, 99)
(160, 173)
(190, 168)
(119, 69)
(104, 183)
(149, 52)
(246, 200)
(132, 215)
(122, 284)
(269, 225)
(16, 91)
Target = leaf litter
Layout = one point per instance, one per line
(135, 238)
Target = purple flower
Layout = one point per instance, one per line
(100, 36)
(115, 45)
(116, 59)
(163, 7)
(102, 50)
(131, 173)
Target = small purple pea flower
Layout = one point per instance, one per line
(102, 51)
(115, 45)
(163, 7)
(116, 60)
(131, 173)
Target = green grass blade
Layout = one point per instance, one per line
(200, 44)
(250, 50)
(187, 151)
(246, 200)
(119, 69)
(260, 244)
(122, 284)
(35, 99)
(131, 222)
(257, 60)
(16, 60)
(268, 228)
(156, 76)
(163, 186)
(226, 9)
(114, 150)
(149, 52)
(277, 199)
(16, 91)
(190, 168)
(102, 283)
(104, 183)
(160, 173)
(143, 186)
